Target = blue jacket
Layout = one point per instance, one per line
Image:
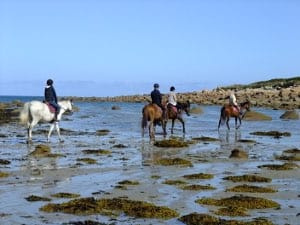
(50, 94)
(156, 97)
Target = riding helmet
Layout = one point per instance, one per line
(172, 88)
(49, 82)
(156, 85)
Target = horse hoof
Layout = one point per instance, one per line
(61, 141)
(29, 142)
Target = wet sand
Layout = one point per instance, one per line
(134, 158)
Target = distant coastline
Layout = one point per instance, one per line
(275, 93)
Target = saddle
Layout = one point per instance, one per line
(172, 108)
(235, 108)
(51, 107)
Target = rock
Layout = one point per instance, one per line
(290, 115)
(240, 154)
(255, 116)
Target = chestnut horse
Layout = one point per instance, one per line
(174, 114)
(228, 111)
(153, 114)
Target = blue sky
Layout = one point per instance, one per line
(120, 47)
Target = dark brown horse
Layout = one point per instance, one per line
(228, 111)
(174, 114)
(153, 114)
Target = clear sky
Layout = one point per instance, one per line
(120, 47)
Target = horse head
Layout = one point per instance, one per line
(246, 105)
(186, 107)
(67, 105)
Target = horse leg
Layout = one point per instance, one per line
(227, 123)
(164, 125)
(240, 122)
(172, 128)
(151, 130)
(50, 131)
(58, 131)
(183, 125)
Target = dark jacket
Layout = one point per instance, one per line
(156, 97)
(50, 94)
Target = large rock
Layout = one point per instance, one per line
(256, 116)
(290, 115)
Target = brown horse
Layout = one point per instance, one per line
(228, 111)
(153, 114)
(177, 114)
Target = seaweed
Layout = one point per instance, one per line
(285, 166)
(89, 206)
(171, 143)
(87, 160)
(174, 161)
(102, 132)
(205, 219)
(247, 202)
(251, 189)
(128, 182)
(96, 151)
(198, 187)
(4, 162)
(3, 174)
(275, 134)
(34, 198)
(174, 182)
(65, 195)
(232, 211)
(248, 178)
(199, 176)
(205, 139)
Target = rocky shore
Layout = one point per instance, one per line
(277, 98)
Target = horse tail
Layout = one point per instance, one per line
(25, 114)
(223, 115)
(145, 118)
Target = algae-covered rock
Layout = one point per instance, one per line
(285, 166)
(87, 160)
(41, 150)
(232, 211)
(4, 162)
(3, 174)
(198, 187)
(173, 162)
(239, 154)
(275, 134)
(90, 206)
(129, 182)
(199, 176)
(34, 198)
(290, 115)
(247, 202)
(171, 143)
(247, 178)
(205, 139)
(174, 182)
(65, 195)
(256, 116)
(205, 219)
(251, 189)
(102, 132)
(96, 151)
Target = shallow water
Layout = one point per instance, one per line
(46, 176)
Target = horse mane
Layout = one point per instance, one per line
(246, 102)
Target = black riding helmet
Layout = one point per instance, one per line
(49, 82)
(156, 85)
(172, 88)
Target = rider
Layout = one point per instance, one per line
(50, 96)
(172, 99)
(156, 97)
(232, 100)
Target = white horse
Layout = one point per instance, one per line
(35, 111)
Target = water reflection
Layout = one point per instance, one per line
(229, 139)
